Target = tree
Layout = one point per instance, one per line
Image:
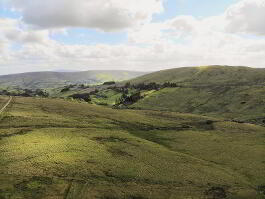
(109, 83)
(65, 89)
(129, 99)
(41, 93)
(82, 96)
(127, 85)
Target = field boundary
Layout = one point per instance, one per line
(4, 107)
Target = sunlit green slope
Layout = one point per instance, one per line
(206, 75)
(58, 149)
(229, 92)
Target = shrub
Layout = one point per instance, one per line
(65, 89)
(109, 83)
(83, 86)
(127, 100)
(41, 93)
(82, 96)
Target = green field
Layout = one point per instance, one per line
(52, 148)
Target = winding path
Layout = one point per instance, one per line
(4, 107)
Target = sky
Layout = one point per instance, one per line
(141, 35)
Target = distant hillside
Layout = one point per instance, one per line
(205, 75)
(233, 93)
(229, 92)
(36, 80)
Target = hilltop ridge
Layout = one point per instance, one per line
(205, 75)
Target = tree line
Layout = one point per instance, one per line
(131, 98)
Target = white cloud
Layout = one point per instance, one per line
(106, 15)
(148, 33)
(6, 26)
(180, 41)
(247, 16)
(13, 30)
(186, 24)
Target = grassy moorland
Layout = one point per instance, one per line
(206, 75)
(52, 148)
(232, 93)
(244, 103)
(220, 91)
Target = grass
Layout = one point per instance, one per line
(205, 75)
(244, 103)
(231, 93)
(106, 97)
(52, 148)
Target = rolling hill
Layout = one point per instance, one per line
(45, 80)
(233, 93)
(53, 148)
(229, 92)
(185, 140)
(206, 75)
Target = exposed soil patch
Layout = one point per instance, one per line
(125, 197)
(109, 197)
(34, 184)
(118, 152)
(34, 187)
(149, 127)
(216, 193)
(113, 139)
(136, 197)
(41, 180)
(110, 139)
(203, 125)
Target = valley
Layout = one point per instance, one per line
(144, 138)
(232, 93)
(132, 99)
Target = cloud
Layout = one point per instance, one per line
(105, 15)
(247, 16)
(12, 30)
(180, 41)
(148, 34)
(6, 26)
(186, 24)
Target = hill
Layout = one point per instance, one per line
(229, 92)
(52, 148)
(232, 93)
(46, 80)
(206, 75)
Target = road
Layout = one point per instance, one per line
(4, 107)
